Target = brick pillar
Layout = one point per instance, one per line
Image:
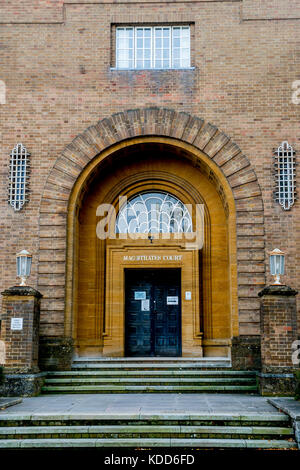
(278, 316)
(20, 335)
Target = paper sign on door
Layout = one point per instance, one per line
(145, 305)
(173, 300)
(140, 295)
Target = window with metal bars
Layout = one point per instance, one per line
(285, 193)
(18, 178)
(153, 47)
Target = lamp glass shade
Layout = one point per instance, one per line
(277, 262)
(23, 264)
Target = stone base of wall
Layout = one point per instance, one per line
(21, 385)
(278, 381)
(245, 353)
(55, 353)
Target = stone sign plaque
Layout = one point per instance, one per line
(16, 324)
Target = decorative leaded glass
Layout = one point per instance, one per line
(19, 174)
(285, 193)
(154, 213)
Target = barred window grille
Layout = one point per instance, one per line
(285, 164)
(19, 175)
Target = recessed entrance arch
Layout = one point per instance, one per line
(204, 148)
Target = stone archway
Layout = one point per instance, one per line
(226, 163)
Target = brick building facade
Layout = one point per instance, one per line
(70, 105)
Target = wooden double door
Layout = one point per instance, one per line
(153, 312)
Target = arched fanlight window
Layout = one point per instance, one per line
(18, 178)
(154, 212)
(285, 193)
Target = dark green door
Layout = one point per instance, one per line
(153, 312)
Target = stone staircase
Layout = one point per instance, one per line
(250, 430)
(150, 375)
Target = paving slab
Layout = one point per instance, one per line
(140, 404)
(287, 405)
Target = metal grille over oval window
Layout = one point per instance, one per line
(18, 178)
(285, 164)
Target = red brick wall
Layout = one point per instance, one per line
(21, 347)
(278, 324)
(56, 65)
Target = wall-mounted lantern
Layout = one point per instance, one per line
(277, 265)
(24, 260)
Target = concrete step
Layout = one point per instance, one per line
(222, 430)
(200, 360)
(144, 380)
(113, 431)
(275, 419)
(148, 388)
(152, 373)
(149, 381)
(146, 442)
(148, 365)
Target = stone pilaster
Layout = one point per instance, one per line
(278, 332)
(20, 336)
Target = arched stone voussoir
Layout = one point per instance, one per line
(218, 141)
(230, 150)
(192, 129)
(61, 178)
(85, 147)
(246, 190)
(204, 136)
(179, 124)
(134, 119)
(94, 138)
(122, 126)
(157, 122)
(246, 175)
(237, 163)
(74, 155)
(69, 167)
(55, 192)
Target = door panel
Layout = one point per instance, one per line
(138, 322)
(156, 332)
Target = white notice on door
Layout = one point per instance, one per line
(139, 295)
(172, 300)
(145, 305)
